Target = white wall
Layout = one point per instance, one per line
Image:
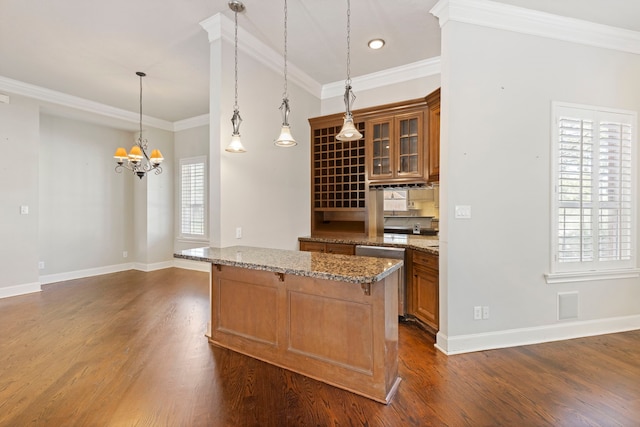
(159, 211)
(497, 89)
(19, 187)
(265, 191)
(86, 215)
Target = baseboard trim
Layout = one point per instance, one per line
(187, 264)
(89, 272)
(527, 336)
(152, 267)
(26, 288)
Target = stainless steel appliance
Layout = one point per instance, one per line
(393, 253)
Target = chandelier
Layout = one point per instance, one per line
(138, 161)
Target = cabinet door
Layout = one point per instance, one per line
(433, 140)
(379, 149)
(425, 288)
(409, 139)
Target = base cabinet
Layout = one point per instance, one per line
(328, 330)
(424, 293)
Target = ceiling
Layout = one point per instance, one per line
(91, 49)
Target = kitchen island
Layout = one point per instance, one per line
(330, 317)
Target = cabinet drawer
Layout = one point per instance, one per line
(312, 246)
(425, 260)
(340, 248)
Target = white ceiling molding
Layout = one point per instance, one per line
(415, 70)
(517, 19)
(219, 26)
(58, 98)
(193, 122)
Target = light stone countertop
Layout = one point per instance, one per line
(429, 244)
(344, 268)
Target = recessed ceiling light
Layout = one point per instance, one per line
(376, 43)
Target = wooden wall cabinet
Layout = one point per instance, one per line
(433, 139)
(396, 149)
(424, 289)
(400, 146)
(338, 179)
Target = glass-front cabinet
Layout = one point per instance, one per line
(396, 147)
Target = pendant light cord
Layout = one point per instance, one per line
(285, 94)
(235, 106)
(140, 108)
(348, 82)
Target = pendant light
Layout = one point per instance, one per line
(138, 161)
(348, 131)
(235, 146)
(285, 139)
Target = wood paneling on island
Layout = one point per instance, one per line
(330, 317)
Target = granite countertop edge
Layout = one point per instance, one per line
(355, 279)
(413, 242)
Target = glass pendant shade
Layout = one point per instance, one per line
(285, 139)
(348, 131)
(235, 146)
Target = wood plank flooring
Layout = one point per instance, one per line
(128, 349)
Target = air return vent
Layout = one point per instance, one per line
(567, 305)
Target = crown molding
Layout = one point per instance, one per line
(190, 123)
(403, 73)
(58, 98)
(220, 27)
(517, 19)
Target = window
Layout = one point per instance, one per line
(193, 207)
(395, 200)
(594, 194)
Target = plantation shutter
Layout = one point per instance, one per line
(594, 193)
(192, 198)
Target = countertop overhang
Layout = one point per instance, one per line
(344, 268)
(429, 244)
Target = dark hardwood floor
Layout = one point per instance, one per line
(128, 349)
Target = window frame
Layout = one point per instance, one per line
(204, 237)
(596, 269)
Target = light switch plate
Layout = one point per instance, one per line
(24, 210)
(463, 212)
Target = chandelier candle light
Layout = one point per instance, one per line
(138, 161)
(285, 139)
(348, 131)
(235, 146)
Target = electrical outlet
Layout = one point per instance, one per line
(477, 312)
(125, 254)
(485, 312)
(238, 232)
(41, 265)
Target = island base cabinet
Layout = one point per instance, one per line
(328, 330)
